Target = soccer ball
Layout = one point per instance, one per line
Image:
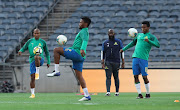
(132, 32)
(61, 39)
(37, 50)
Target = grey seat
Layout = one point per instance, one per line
(170, 30)
(15, 26)
(154, 14)
(142, 14)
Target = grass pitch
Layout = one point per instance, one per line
(69, 101)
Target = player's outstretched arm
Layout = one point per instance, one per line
(131, 44)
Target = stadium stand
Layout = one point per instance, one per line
(121, 15)
(17, 19)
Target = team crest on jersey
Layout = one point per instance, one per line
(115, 43)
(106, 68)
(39, 45)
(146, 37)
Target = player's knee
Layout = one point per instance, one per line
(135, 76)
(56, 49)
(108, 77)
(33, 78)
(146, 80)
(36, 57)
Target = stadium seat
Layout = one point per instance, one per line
(120, 16)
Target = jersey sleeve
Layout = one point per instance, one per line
(153, 41)
(131, 44)
(85, 38)
(25, 47)
(102, 52)
(47, 53)
(121, 44)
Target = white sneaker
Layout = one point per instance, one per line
(116, 94)
(85, 98)
(53, 74)
(108, 94)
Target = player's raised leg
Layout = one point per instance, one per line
(57, 53)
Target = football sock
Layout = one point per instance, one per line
(32, 90)
(85, 92)
(147, 88)
(138, 88)
(37, 69)
(56, 67)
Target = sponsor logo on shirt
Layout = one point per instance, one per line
(115, 43)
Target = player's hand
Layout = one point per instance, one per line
(147, 40)
(19, 53)
(82, 53)
(48, 65)
(103, 66)
(121, 50)
(122, 66)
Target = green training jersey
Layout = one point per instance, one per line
(31, 43)
(81, 41)
(143, 48)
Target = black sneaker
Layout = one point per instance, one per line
(147, 96)
(107, 94)
(139, 96)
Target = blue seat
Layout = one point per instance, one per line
(72, 30)
(21, 31)
(121, 14)
(26, 26)
(7, 9)
(15, 26)
(9, 31)
(3, 54)
(154, 14)
(12, 43)
(9, 4)
(21, 21)
(42, 9)
(170, 30)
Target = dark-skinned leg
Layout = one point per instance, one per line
(147, 86)
(138, 86)
(57, 52)
(83, 85)
(37, 60)
(32, 85)
(80, 78)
